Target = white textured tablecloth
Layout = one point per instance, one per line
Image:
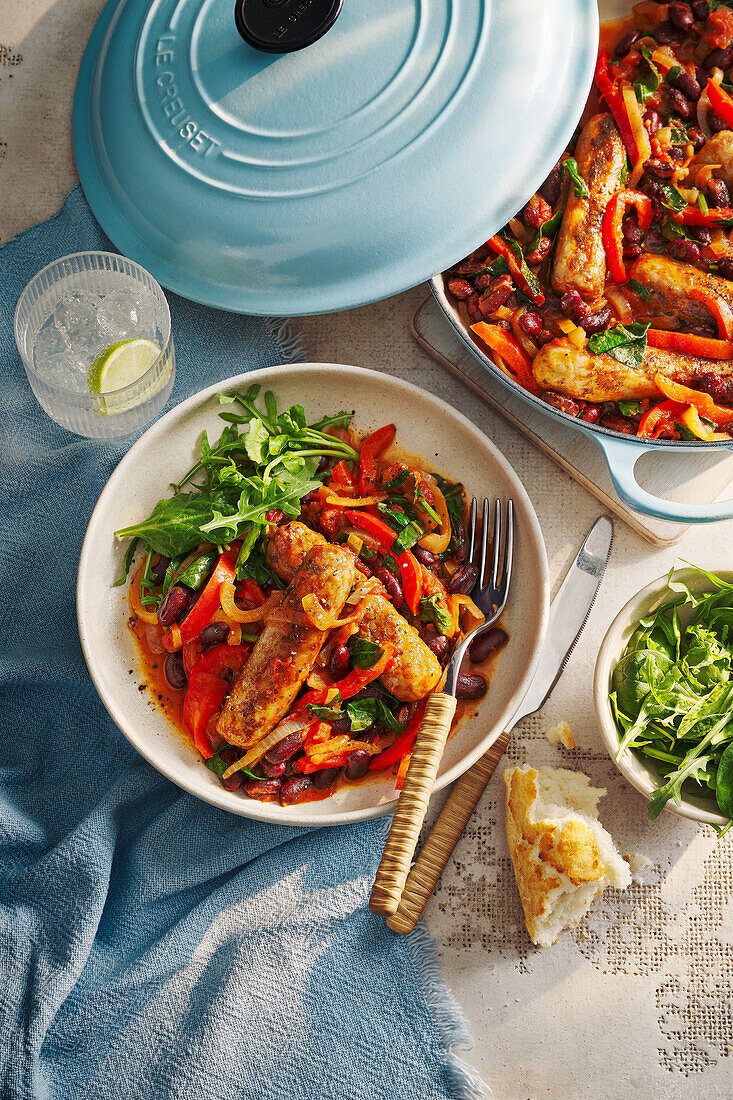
(637, 1001)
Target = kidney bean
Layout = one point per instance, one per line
(214, 634)
(631, 252)
(674, 102)
(530, 323)
(233, 782)
(551, 189)
(470, 687)
(681, 16)
(717, 385)
(573, 306)
(717, 193)
(393, 586)
(598, 321)
(624, 44)
(697, 138)
(175, 602)
(174, 671)
(273, 771)
(437, 642)
(702, 235)
(460, 289)
(537, 255)
(652, 120)
(325, 778)
(561, 402)
(339, 663)
(357, 764)
(589, 414)
(341, 726)
(665, 34)
(371, 691)
(685, 251)
(403, 714)
(700, 9)
(483, 280)
(286, 748)
(425, 557)
(292, 787)
(310, 497)
(632, 231)
(536, 212)
(158, 570)
(725, 267)
(689, 87)
(259, 788)
(716, 123)
(719, 59)
(362, 567)
(463, 579)
(616, 423)
(459, 535)
(658, 169)
(482, 647)
(470, 265)
(496, 295)
(545, 337)
(676, 152)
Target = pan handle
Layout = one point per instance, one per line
(622, 458)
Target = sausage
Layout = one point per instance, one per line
(580, 259)
(415, 670)
(717, 150)
(565, 368)
(285, 652)
(670, 284)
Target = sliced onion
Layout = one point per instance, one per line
(133, 597)
(456, 602)
(703, 107)
(354, 502)
(229, 606)
(290, 725)
(437, 541)
(619, 303)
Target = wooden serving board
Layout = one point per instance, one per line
(695, 478)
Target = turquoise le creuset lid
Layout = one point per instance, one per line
(288, 157)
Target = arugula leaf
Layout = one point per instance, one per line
(364, 654)
(580, 187)
(626, 343)
(640, 290)
(431, 610)
(672, 199)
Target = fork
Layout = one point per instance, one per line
(490, 598)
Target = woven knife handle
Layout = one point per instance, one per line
(412, 805)
(445, 834)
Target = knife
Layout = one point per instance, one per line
(569, 613)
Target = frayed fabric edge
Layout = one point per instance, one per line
(291, 344)
(450, 1022)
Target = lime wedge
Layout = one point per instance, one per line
(121, 364)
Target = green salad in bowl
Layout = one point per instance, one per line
(669, 694)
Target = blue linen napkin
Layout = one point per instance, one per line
(152, 945)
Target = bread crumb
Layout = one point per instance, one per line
(560, 735)
(638, 862)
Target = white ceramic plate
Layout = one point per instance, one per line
(639, 772)
(425, 426)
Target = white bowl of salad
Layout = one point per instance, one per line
(664, 694)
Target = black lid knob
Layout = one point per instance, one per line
(283, 26)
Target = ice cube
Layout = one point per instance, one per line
(50, 342)
(75, 314)
(122, 314)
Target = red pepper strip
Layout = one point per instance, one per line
(200, 614)
(207, 688)
(519, 364)
(612, 230)
(703, 402)
(317, 732)
(342, 475)
(191, 653)
(407, 563)
(692, 215)
(719, 308)
(705, 346)
(250, 590)
(351, 684)
(721, 102)
(662, 416)
(306, 766)
(404, 743)
(615, 103)
(371, 448)
(505, 250)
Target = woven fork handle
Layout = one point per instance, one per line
(412, 805)
(445, 834)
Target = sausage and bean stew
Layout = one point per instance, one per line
(610, 295)
(298, 598)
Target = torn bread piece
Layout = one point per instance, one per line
(562, 855)
(561, 734)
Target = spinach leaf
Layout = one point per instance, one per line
(639, 289)
(529, 276)
(219, 766)
(672, 199)
(627, 343)
(431, 610)
(547, 229)
(127, 562)
(648, 79)
(407, 537)
(197, 572)
(580, 187)
(629, 408)
(364, 654)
